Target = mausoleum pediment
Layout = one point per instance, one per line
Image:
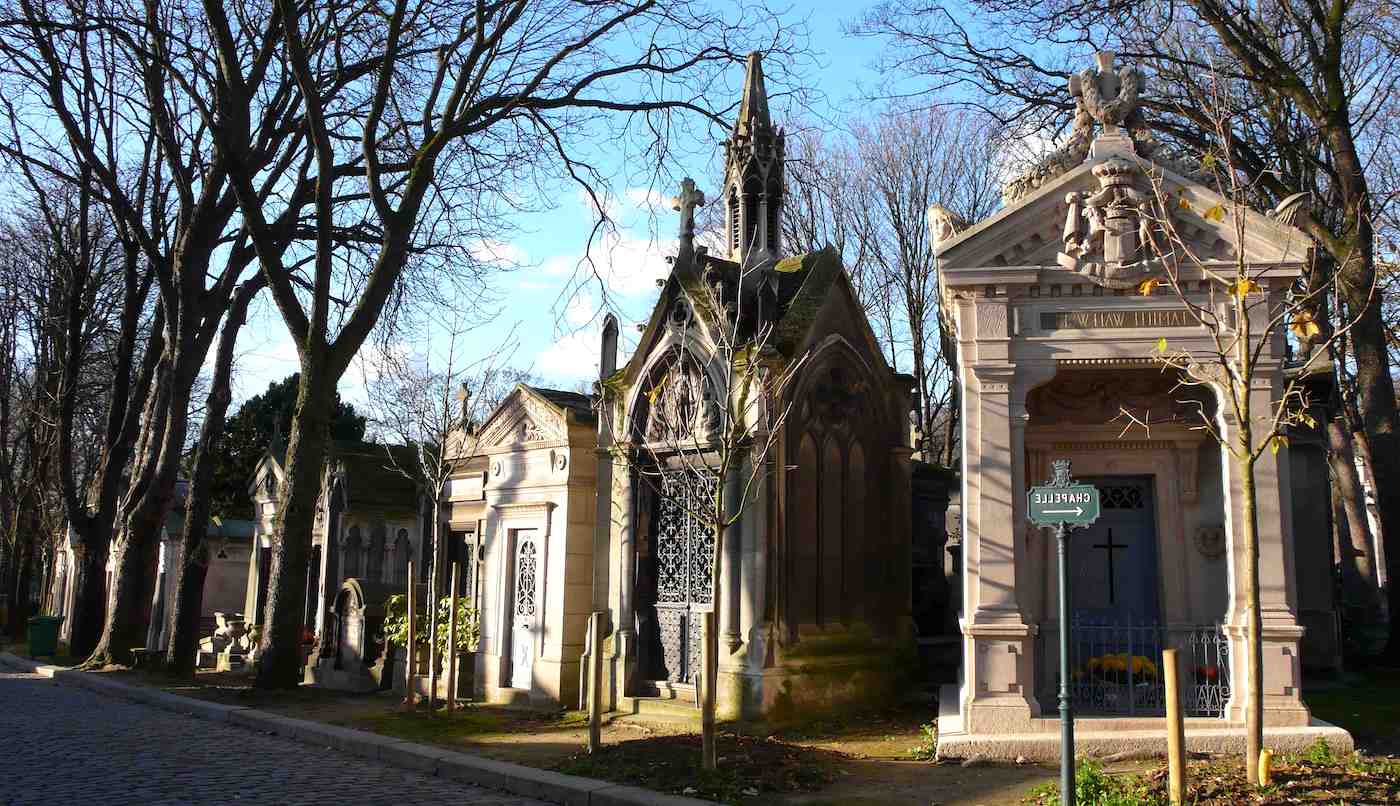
(529, 415)
(1114, 218)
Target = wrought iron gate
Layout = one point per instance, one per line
(684, 569)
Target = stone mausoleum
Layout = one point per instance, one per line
(1057, 350)
(813, 609)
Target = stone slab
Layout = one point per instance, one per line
(1139, 743)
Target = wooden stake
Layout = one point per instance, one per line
(412, 698)
(708, 754)
(452, 645)
(595, 681)
(1176, 731)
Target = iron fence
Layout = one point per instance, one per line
(1115, 667)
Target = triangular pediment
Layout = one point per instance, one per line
(524, 417)
(1032, 231)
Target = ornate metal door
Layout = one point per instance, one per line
(524, 611)
(684, 570)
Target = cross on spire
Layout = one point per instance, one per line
(685, 204)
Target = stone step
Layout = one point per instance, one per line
(1106, 741)
(669, 709)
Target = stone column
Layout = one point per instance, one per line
(1280, 633)
(623, 659)
(730, 574)
(998, 645)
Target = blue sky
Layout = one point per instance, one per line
(555, 325)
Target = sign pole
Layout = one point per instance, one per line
(1063, 505)
(1066, 706)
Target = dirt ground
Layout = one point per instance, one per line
(858, 760)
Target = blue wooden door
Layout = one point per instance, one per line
(1115, 576)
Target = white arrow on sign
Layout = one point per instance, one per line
(1075, 511)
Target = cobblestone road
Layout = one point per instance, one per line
(65, 746)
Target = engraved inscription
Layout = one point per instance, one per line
(1098, 320)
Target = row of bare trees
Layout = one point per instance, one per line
(331, 152)
(866, 189)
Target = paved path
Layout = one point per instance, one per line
(65, 745)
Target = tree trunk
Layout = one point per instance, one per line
(434, 590)
(1376, 400)
(1361, 594)
(88, 578)
(279, 661)
(23, 558)
(1254, 696)
(134, 561)
(194, 547)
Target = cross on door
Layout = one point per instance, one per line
(1109, 547)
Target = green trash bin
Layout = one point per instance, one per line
(43, 635)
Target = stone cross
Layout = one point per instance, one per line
(685, 204)
(464, 397)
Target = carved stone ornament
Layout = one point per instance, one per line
(1095, 397)
(1210, 542)
(1109, 234)
(1110, 96)
(1102, 94)
(680, 406)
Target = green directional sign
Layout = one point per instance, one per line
(1075, 504)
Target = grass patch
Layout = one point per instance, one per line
(1367, 704)
(441, 728)
(1094, 787)
(752, 770)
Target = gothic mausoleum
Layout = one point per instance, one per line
(814, 604)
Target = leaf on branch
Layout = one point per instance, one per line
(1242, 288)
(1276, 443)
(1215, 212)
(1208, 161)
(1304, 326)
(1146, 287)
(1183, 203)
(789, 265)
(1162, 344)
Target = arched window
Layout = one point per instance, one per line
(374, 557)
(350, 554)
(403, 552)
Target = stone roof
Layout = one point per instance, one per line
(374, 474)
(580, 404)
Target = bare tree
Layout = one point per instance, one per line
(1312, 101)
(459, 99)
(434, 407)
(868, 195)
(1246, 310)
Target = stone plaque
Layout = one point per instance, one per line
(1111, 319)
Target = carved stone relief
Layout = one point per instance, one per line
(1094, 397)
(1109, 234)
(680, 405)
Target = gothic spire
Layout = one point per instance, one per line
(753, 109)
(753, 183)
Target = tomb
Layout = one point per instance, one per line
(355, 657)
(371, 518)
(1057, 359)
(520, 508)
(815, 588)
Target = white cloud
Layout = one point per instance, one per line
(647, 197)
(572, 357)
(489, 250)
